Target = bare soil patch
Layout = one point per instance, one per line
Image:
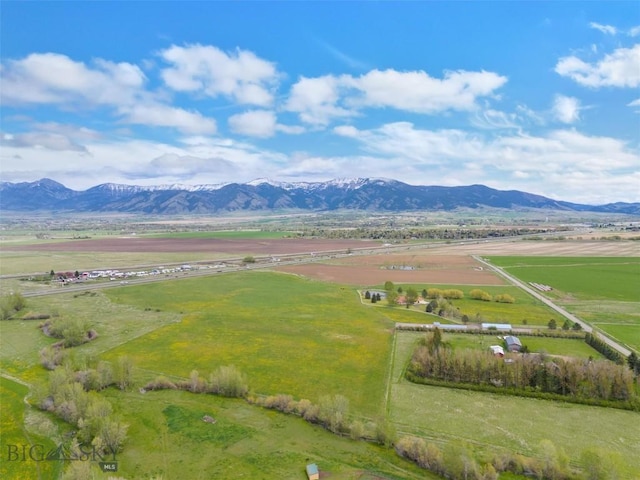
(421, 268)
(186, 245)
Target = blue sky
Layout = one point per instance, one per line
(536, 96)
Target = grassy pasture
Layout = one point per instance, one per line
(15, 432)
(168, 437)
(604, 291)
(21, 340)
(525, 306)
(493, 423)
(552, 346)
(584, 278)
(627, 334)
(286, 333)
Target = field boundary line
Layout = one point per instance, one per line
(390, 368)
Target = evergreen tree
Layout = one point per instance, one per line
(634, 363)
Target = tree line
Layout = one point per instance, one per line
(583, 380)
(408, 233)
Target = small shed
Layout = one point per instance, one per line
(312, 472)
(513, 343)
(497, 350)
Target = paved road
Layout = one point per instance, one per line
(585, 326)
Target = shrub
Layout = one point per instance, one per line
(452, 293)
(11, 304)
(478, 294)
(504, 298)
(228, 381)
(434, 293)
(161, 383)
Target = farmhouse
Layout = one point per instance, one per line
(312, 472)
(513, 343)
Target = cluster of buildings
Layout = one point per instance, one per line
(70, 277)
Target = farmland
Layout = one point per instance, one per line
(605, 291)
(525, 311)
(305, 330)
(497, 422)
(285, 333)
(15, 432)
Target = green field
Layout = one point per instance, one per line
(526, 308)
(552, 346)
(306, 338)
(286, 333)
(14, 431)
(604, 291)
(493, 423)
(21, 340)
(168, 437)
(584, 278)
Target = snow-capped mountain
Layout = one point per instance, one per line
(266, 194)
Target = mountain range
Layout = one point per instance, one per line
(361, 194)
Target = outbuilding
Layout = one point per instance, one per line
(312, 472)
(513, 343)
(497, 350)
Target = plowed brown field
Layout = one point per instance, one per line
(186, 245)
(402, 268)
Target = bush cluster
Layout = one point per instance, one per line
(226, 381)
(71, 331)
(456, 461)
(11, 304)
(332, 413)
(70, 395)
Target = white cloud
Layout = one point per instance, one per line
(51, 78)
(240, 75)
(634, 32)
(566, 109)
(198, 159)
(346, 131)
(494, 119)
(290, 129)
(159, 115)
(255, 123)
(635, 104)
(42, 140)
(72, 131)
(542, 164)
(261, 124)
(182, 167)
(55, 78)
(606, 29)
(418, 92)
(618, 69)
(316, 100)
(319, 100)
